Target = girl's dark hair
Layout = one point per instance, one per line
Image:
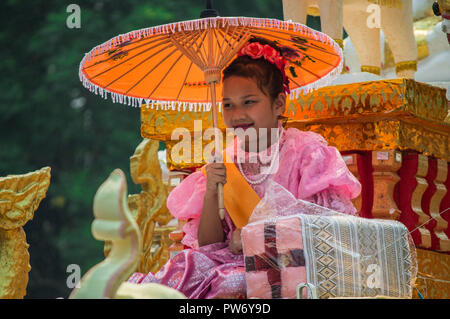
(268, 77)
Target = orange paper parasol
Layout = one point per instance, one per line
(178, 65)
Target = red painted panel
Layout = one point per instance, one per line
(365, 169)
(445, 204)
(403, 191)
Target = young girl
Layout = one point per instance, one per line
(254, 97)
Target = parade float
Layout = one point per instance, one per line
(392, 129)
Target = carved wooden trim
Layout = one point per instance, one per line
(416, 200)
(441, 190)
(408, 195)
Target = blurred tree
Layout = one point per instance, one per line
(49, 119)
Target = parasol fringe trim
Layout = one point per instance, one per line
(200, 24)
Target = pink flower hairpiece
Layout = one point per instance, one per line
(256, 50)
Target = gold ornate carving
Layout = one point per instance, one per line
(416, 200)
(384, 98)
(433, 278)
(383, 135)
(114, 222)
(149, 207)
(421, 30)
(413, 114)
(14, 264)
(385, 166)
(20, 196)
(161, 125)
(435, 203)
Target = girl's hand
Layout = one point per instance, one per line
(215, 173)
(235, 244)
(210, 229)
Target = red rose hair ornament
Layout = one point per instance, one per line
(256, 50)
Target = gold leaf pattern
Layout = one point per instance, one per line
(20, 196)
(433, 279)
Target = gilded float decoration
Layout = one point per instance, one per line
(20, 196)
(374, 115)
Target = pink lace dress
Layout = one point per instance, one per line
(309, 168)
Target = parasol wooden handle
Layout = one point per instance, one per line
(221, 203)
(218, 152)
(212, 76)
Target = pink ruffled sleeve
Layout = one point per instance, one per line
(185, 202)
(325, 178)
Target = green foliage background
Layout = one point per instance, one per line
(48, 119)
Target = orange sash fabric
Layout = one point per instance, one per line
(239, 197)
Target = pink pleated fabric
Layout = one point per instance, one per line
(309, 168)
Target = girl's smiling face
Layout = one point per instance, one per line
(246, 106)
